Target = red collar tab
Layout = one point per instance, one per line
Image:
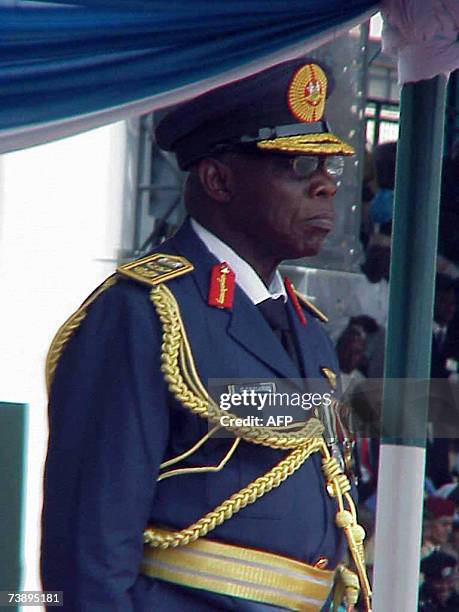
(222, 283)
(296, 304)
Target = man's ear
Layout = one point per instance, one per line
(216, 178)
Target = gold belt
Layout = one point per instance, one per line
(241, 572)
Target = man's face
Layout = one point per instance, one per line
(283, 214)
(350, 350)
(441, 530)
(442, 589)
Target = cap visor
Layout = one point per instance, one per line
(308, 144)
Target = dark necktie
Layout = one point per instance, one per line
(275, 313)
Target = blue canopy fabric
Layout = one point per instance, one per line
(67, 66)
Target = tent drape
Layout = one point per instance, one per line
(423, 35)
(66, 66)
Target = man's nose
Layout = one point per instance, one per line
(322, 186)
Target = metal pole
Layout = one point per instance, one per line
(408, 346)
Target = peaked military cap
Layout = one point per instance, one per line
(280, 109)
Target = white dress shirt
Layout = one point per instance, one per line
(246, 277)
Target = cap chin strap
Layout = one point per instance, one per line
(293, 129)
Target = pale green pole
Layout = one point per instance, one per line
(408, 346)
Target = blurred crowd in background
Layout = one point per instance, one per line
(360, 348)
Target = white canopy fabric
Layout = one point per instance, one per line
(423, 36)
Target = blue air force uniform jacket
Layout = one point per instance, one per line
(113, 421)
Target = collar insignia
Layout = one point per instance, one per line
(293, 296)
(311, 307)
(222, 283)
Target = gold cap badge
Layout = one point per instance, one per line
(307, 93)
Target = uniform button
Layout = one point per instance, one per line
(321, 563)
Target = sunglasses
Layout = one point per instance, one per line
(302, 166)
(305, 165)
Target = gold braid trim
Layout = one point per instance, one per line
(309, 144)
(338, 486)
(66, 331)
(246, 496)
(184, 383)
(347, 588)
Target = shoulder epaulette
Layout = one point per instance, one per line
(155, 269)
(312, 309)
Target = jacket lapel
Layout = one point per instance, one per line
(307, 343)
(248, 327)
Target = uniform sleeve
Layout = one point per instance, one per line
(108, 430)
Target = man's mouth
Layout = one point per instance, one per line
(324, 222)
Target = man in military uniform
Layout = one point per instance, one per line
(145, 508)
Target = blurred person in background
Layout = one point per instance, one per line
(369, 187)
(350, 350)
(382, 205)
(444, 347)
(438, 515)
(437, 593)
(452, 547)
(443, 412)
(448, 236)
